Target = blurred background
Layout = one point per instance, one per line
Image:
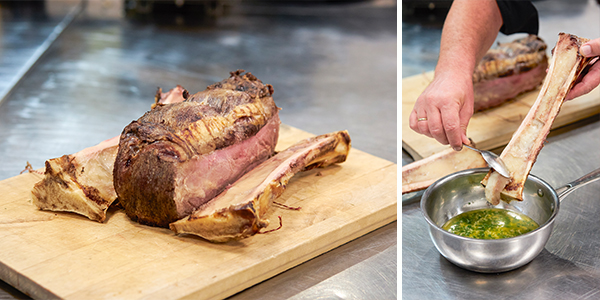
(422, 22)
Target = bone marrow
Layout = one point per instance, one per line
(521, 152)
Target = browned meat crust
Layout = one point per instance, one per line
(164, 157)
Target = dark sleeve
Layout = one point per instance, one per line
(518, 16)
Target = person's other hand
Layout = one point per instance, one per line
(443, 110)
(592, 79)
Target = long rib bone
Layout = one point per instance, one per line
(239, 211)
(522, 150)
(422, 173)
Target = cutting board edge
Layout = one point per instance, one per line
(304, 258)
(412, 152)
(24, 284)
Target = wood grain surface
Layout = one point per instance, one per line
(490, 128)
(63, 255)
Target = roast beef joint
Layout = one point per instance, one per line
(238, 212)
(508, 70)
(202, 164)
(177, 157)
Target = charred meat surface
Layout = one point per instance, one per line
(238, 212)
(522, 150)
(82, 182)
(509, 70)
(177, 157)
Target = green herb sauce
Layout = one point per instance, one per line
(490, 223)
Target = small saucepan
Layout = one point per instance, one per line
(462, 191)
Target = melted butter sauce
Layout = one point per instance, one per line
(490, 223)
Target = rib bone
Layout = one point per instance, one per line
(238, 212)
(522, 150)
(422, 173)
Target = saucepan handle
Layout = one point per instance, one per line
(577, 183)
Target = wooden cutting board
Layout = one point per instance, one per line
(63, 255)
(491, 128)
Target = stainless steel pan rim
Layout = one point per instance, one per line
(462, 191)
(435, 226)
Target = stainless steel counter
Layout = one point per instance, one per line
(569, 266)
(333, 66)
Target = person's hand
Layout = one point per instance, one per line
(443, 110)
(592, 78)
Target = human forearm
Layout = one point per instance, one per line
(443, 110)
(469, 30)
